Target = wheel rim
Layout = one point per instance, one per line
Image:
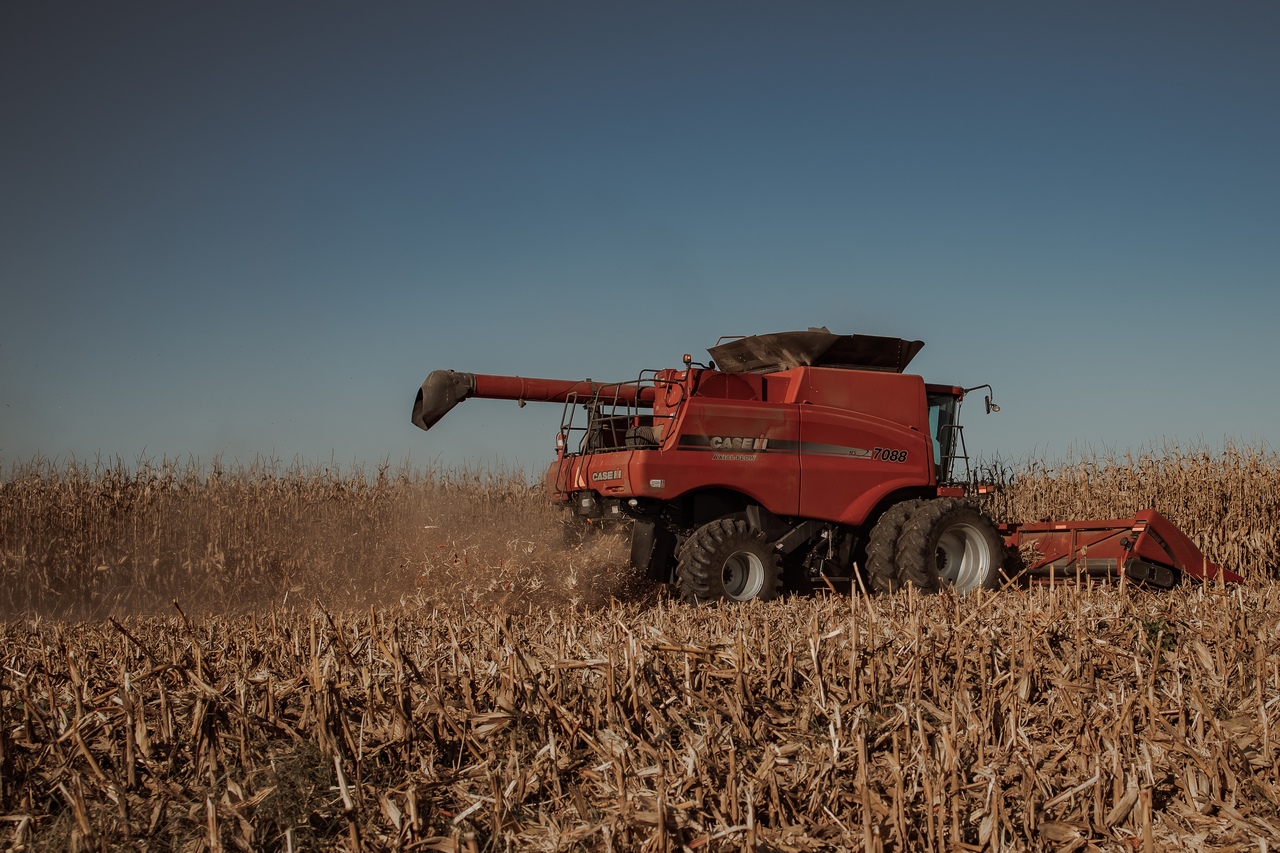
(743, 575)
(964, 557)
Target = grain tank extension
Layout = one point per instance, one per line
(799, 459)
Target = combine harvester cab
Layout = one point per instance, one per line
(803, 460)
(1147, 548)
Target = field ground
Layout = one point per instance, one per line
(1032, 720)
(431, 662)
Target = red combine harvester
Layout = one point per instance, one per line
(794, 458)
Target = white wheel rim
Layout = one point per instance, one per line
(743, 575)
(965, 557)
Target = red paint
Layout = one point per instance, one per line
(821, 428)
(1148, 536)
(558, 390)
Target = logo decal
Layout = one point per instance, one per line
(735, 442)
(605, 476)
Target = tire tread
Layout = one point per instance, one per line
(703, 555)
(882, 547)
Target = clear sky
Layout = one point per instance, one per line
(253, 228)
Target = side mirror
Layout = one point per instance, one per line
(991, 407)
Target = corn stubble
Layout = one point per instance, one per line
(450, 671)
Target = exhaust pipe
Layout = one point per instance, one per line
(443, 390)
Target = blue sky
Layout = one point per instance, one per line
(253, 228)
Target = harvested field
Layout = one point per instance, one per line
(1054, 719)
(402, 661)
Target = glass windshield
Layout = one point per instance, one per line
(942, 418)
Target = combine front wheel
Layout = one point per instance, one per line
(728, 559)
(952, 542)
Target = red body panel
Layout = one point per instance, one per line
(860, 441)
(820, 443)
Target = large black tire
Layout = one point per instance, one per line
(728, 559)
(949, 541)
(882, 547)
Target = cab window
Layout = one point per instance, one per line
(942, 418)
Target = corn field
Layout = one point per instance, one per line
(279, 658)
(89, 542)
(1227, 500)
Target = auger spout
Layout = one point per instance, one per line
(444, 389)
(441, 391)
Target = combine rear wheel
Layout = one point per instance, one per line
(728, 559)
(949, 541)
(882, 547)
